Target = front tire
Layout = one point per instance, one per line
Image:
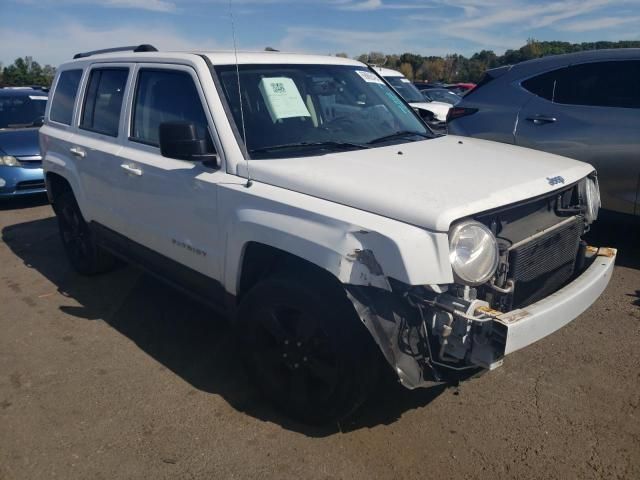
(83, 252)
(306, 349)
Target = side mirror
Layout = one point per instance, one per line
(180, 140)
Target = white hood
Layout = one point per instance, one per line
(431, 183)
(439, 109)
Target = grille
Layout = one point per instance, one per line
(30, 184)
(541, 266)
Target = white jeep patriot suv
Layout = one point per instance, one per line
(305, 198)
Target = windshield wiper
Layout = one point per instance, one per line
(304, 145)
(400, 134)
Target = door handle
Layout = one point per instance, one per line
(78, 152)
(542, 119)
(132, 170)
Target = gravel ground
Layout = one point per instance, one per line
(119, 376)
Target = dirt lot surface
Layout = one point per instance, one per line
(119, 376)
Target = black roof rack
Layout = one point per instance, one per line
(133, 48)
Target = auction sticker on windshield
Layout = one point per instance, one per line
(282, 98)
(369, 77)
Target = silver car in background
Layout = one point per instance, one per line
(583, 105)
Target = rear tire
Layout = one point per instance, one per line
(306, 349)
(83, 252)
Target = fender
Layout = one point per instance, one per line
(52, 162)
(358, 248)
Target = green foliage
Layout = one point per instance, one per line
(457, 68)
(25, 71)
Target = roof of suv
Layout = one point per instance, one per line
(387, 72)
(220, 58)
(554, 61)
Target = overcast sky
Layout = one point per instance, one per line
(53, 30)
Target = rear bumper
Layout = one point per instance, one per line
(528, 325)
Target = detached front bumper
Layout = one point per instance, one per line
(427, 335)
(528, 325)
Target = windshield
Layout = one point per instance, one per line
(442, 95)
(21, 111)
(405, 88)
(295, 110)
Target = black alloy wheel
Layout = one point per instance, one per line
(84, 254)
(306, 349)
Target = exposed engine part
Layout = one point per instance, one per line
(508, 287)
(460, 329)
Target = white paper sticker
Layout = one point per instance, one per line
(282, 98)
(369, 77)
(405, 80)
(38, 97)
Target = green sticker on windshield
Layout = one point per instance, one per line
(282, 98)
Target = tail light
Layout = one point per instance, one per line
(458, 112)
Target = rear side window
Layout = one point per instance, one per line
(165, 96)
(64, 96)
(599, 84)
(103, 101)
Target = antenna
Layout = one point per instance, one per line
(244, 131)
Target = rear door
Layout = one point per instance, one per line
(98, 142)
(590, 112)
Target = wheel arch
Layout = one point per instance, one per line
(56, 185)
(260, 260)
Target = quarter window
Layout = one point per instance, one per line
(64, 96)
(542, 85)
(103, 101)
(165, 96)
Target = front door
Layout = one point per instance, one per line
(170, 205)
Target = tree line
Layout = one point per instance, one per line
(458, 68)
(25, 72)
(450, 68)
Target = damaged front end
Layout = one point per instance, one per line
(544, 276)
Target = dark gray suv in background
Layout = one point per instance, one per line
(583, 105)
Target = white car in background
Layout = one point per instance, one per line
(429, 111)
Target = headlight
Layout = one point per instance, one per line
(473, 252)
(591, 195)
(9, 161)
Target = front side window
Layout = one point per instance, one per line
(103, 101)
(64, 96)
(297, 110)
(165, 96)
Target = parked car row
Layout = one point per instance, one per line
(434, 112)
(582, 105)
